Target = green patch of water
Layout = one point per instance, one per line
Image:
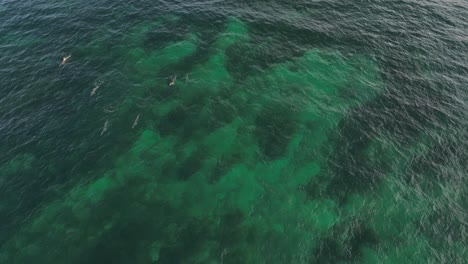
(211, 188)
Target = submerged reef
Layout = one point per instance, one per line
(227, 167)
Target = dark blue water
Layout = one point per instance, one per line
(233, 132)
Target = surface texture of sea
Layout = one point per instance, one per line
(235, 131)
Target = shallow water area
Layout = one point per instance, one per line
(233, 132)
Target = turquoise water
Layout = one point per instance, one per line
(233, 132)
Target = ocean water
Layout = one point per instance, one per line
(234, 131)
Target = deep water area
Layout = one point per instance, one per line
(233, 131)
